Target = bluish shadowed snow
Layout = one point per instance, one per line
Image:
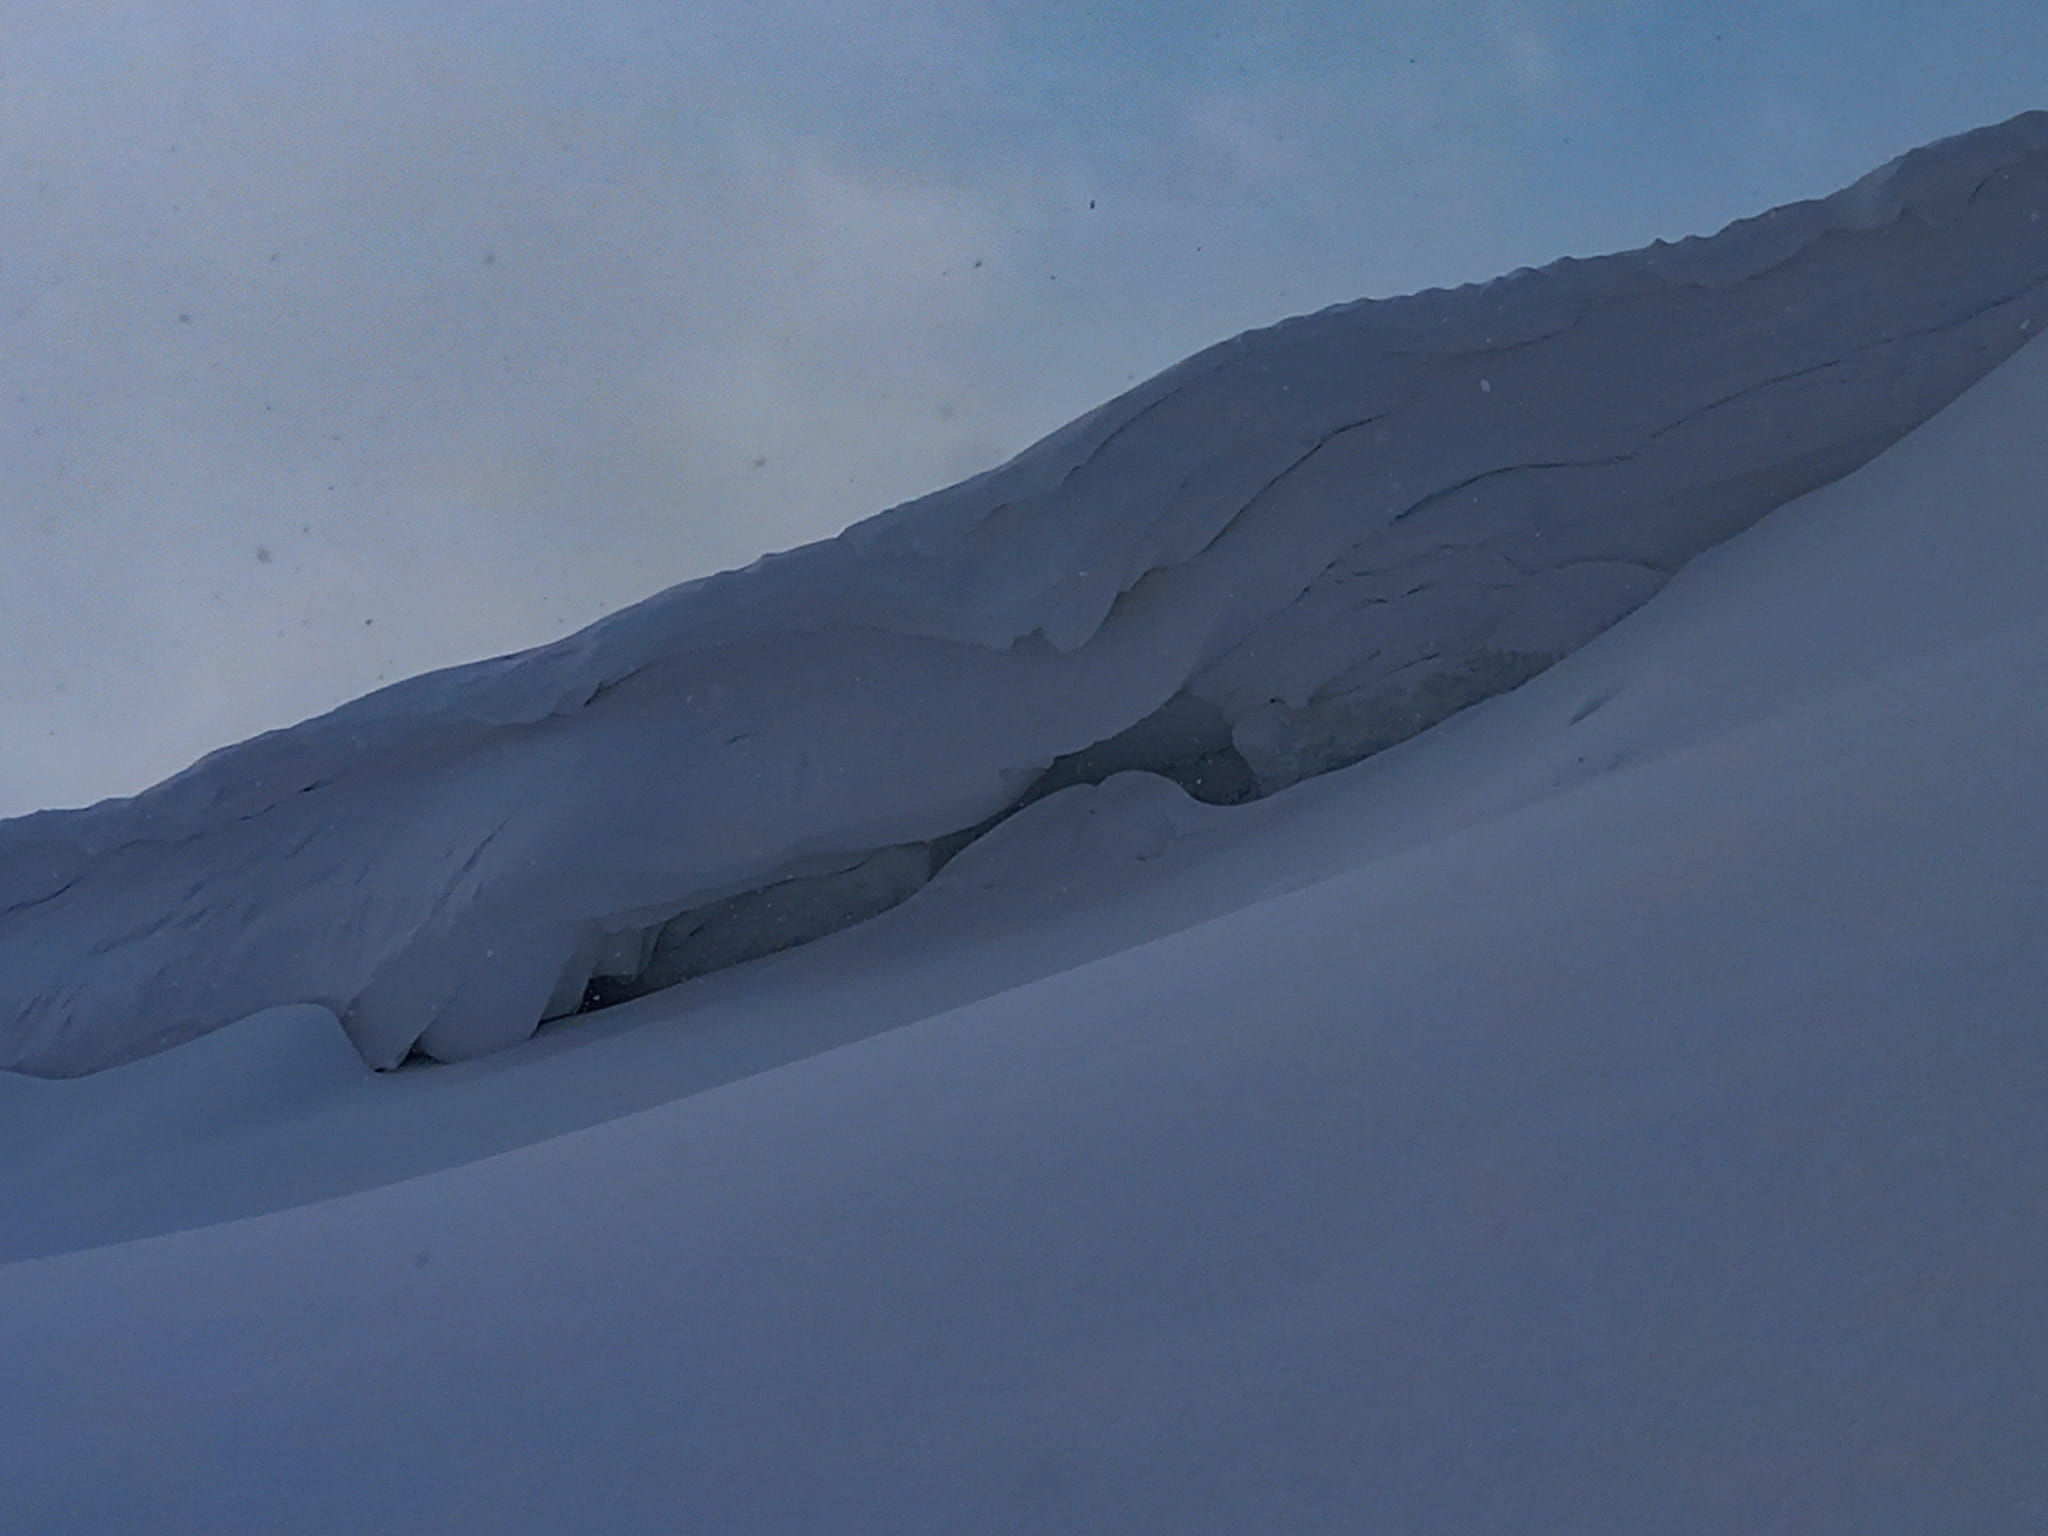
(1618, 1109)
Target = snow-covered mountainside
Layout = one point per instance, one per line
(1617, 1109)
(1279, 557)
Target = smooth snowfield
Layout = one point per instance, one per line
(1618, 1109)
(1280, 556)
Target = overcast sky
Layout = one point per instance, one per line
(342, 341)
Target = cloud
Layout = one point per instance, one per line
(1531, 56)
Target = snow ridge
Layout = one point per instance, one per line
(1277, 557)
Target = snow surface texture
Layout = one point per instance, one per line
(1282, 555)
(1616, 1110)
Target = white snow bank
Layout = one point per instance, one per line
(1293, 549)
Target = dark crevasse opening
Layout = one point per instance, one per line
(1187, 740)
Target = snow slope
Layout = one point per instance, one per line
(1281, 556)
(1618, 1109)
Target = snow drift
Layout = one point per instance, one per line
(1617, 1110)
(1287, 552)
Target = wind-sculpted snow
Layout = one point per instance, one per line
(1283, 554)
